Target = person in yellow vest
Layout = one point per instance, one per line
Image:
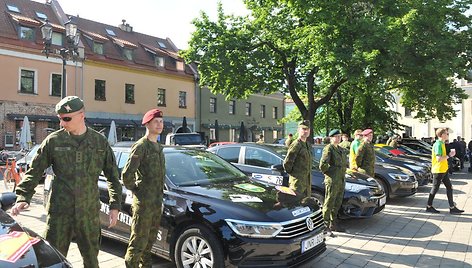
(439, 169)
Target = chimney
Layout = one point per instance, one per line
(125, 26)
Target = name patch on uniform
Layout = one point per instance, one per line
(62, 149)
(250, 187)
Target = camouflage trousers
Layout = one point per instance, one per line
(85, 229)
(146, 220)
(334, 192)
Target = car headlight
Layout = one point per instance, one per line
(414, 167)
(254, 229)
(354, 187)
(399, 177)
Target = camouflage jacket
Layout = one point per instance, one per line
(76, 167)
(144, 172)
(333, 162)
(298, 162)
(365, 158)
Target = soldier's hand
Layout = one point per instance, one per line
(113, 217)
(18, 207)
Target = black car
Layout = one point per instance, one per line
(394, 180)
(214, 214)
(21, 247)
(421, 170)
(363, 196)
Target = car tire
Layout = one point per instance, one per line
(384, 187)
(198, 245)
(319, 197)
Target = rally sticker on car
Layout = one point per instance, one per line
(242, 198)
(14, 245)
(285, 190)
(272, 179)
(300, 211)
(250, 187)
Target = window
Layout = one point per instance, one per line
(100, 90)
(260, 158)
(172, 63)
(232, 107)
(248, 108)
(159, 61)
(161, 44)
(26, 33)
(41, 15)
(27, 84)
(98, 48)
(56, 85)
(129, 93)
(56, 39)
(212, 105)
(275, 134)
(230, 154)
(161, 97)
(182, 99)
(407, 111)
(262, 111)
(128, 53)
(275, 112)
(110, 32)
(13, 8)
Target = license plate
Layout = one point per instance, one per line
(382, 201)
(312, 242)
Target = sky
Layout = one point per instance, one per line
(159, 18)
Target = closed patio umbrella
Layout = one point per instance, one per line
(112, 137)
(242, 132)
(25, 134)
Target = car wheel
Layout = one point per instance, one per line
(198, 247)
(384, 187)
(319, 197)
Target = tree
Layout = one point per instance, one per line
(310, 49)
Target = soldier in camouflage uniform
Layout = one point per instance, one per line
(365, 157)
(298, 161)
(78, 155)
(333, 164)
(143, 174)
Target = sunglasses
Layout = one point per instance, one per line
(66, 118)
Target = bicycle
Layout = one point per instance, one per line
(11, 177)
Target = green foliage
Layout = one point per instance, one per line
(353, 54)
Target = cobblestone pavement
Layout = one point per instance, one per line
(403, 235)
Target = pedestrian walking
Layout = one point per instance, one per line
(463, 150)
(333, 164)
(439, 169)
(365, 157)
(298, 161)
(78, 155)
(143, 174)
(289, 140)
(354, 148)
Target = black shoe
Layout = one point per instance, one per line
(337, 228)
(432, 210)
(455, 210)
(328, 232)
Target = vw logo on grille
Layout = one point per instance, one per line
(310, 224)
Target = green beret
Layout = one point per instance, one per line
(69, 105)
(304, 124)
(334, 132)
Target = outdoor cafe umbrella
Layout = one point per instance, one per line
(25, 135)
(242, 131)
(112, 138)
(216, 130)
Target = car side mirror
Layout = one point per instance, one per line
(7, 200)
(278, 167)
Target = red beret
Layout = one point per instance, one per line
(367, 131)
(151, 114)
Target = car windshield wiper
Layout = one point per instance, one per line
(190, 183)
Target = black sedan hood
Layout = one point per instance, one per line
(246, 199)
(21, 247)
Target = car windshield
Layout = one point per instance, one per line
(384, 151)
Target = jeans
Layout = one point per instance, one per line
(437, 179)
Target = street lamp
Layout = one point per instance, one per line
(68, 51)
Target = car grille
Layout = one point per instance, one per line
(298, 227)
